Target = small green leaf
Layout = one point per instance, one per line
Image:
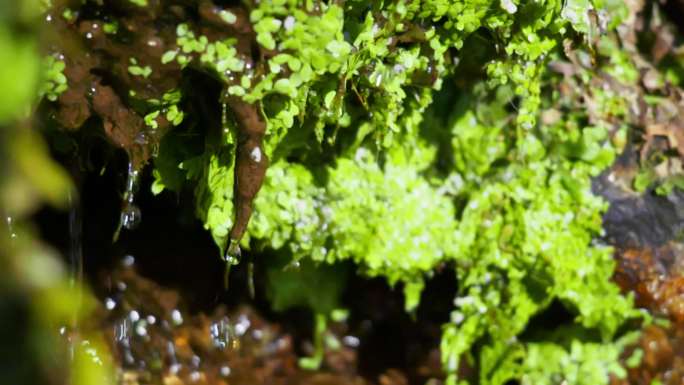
(168, 56)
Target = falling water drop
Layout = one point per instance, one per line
(130, 217)
(224, 119)
(174, 366)
(10, 227)
(75, 264)
(110, 304)
(233, 254)
(141, 328)
(250, 279)
(130, 213)
(134, 316)
(176, 317)
(76, 238)
(242, 325)
(128, 260)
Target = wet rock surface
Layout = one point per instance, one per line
(638, 220)
(156, 338)
(645, 230)
(157, 341)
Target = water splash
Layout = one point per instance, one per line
(174, 366)
(122, 331)
(122, 336)
(222, 333)
(130, 213)
(242, 325)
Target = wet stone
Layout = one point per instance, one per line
(155, 340)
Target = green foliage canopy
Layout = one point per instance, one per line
(405, 136)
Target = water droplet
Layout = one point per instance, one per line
(294, 265)
(130, 217)
(141, 328)
(351, 341)
(250, 280)
(378, 80)
(176, 317)
(195, 361)
(242, 325)
(151, 319)
(75, 240)
(175, 368)
(233, 254)
(257, 334)
(134, 316)
(141, 138)
(130, 213)
(132, 182)
(255, 154)
(128, 260)
(225, 371)
(110, 304)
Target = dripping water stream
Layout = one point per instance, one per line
(130, 213)
(10, 228)
(75, 255)
(233, 255)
